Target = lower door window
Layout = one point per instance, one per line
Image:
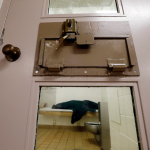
(86, 118)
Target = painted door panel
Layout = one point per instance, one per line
(21, 30)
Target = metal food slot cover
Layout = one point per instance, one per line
(103, 48)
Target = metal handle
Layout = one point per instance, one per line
(69, 22)
(11, 53)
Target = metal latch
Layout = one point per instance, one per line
(72, 32)
(54, 65)
(117, 65)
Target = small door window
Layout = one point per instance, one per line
(82, 6)
(87, 118)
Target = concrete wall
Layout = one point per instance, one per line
(78, 93)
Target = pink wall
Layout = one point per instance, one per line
(16, 78)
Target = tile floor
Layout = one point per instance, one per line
(65, 139)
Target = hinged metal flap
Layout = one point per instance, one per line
(42, 46)
(85, 39)
(54, 65)
(117, 65)
(86, 52)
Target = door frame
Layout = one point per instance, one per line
(4, 10)
(82, 81)
(119, 14)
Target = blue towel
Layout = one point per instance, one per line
(79, 108)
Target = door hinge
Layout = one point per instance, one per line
(54, 65)
(1, 38)
(116, 66)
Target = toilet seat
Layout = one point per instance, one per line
(93, 123)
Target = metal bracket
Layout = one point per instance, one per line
(55, 65)
(85, 39)
(1, 41)
(116, 66)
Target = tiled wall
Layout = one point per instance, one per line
(48, 96)
(64, 94)
(54, 95)
(122, 122)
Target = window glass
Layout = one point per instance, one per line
(82, 6)
(86, 118)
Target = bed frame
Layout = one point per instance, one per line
(62, 112)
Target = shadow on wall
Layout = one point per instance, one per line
(4, 64)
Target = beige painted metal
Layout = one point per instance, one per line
(68, 58)
(19, 107)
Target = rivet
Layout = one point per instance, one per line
(134, 71)
(36, 71)
(85, 71)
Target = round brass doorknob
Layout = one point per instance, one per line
(11, 53)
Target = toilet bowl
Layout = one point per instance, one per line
(93, 128)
